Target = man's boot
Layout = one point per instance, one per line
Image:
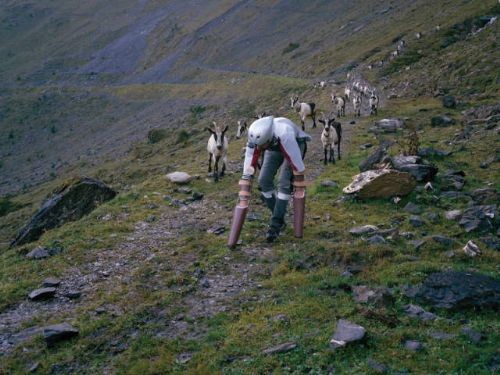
(270, 202)
(277, 220)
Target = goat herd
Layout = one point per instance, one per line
(355, 90)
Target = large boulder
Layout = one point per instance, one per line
(387, 125)
(68, 203)
(381, 183)
(455, 290)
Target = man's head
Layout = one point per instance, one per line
(260, 133)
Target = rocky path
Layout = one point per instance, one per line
(223, 287)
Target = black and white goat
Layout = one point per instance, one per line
(241, 129)
(330, 136)
(217, 149)
(339, 103)
(305, 110)
(373, 102)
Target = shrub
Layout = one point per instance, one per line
(183, 136)
(156, 135)
(290, 47)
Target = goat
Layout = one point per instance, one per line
(373, 102)
(330, 136)
(305, 110)
(242, 128)
(322, 84)
(339, 103)
(356, 103)
(217, 148)
(347, 92)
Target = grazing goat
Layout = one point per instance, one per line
(331, 135)
(347, 92)
(356, 104)
(217, 148)
(373, 101)
(305, 110)
(339, 103)
(242, 128)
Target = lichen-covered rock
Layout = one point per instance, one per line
(69, 203)
(382, 183)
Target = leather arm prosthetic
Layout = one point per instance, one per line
(240, 212)
(299, 203)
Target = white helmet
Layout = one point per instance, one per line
(261, 131)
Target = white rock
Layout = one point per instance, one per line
(471, 249)
(179, 177)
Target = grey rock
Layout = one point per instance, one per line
(453, 214)
(282, 348)
(412, 208)
(376, 240)
(491, 242)
(416, 221)
(418, 312)
(362, 230)
(73, 294)
(417, 244)
(25, 335)
(217, 230)
(382, 183)
(472, 334)
(456, 290)
(433, 217)
(196, 196)
(443, 240)
(413, 345)
(377, 367)
(280, 319)
(372, 296)
(329, 183)
(365, 146)
(51, 282)
(347, 274)
(254, 216)
(479, 218)
(485, 196)
(471, 249)
(345, 333)
(184, 358)
(453, 181)
(377, 157)
(184, 190)
(41, 252)
(69, 203)
(442, 121)
(179, 177)
(421, 172)
(58, 332)
(432, 152)
(449, 101)
(438, 335)
(42, 293)
(388, 125)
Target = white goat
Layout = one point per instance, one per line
(373, 102)
(339, 103)
(347, 92)
(356, 104)
(241, 129)
(305, 110)
(330, 136)
(217, 148)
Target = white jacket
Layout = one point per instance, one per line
(286, 134)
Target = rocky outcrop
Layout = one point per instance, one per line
(413, 165)
(454, 290)
(382, 183)
(69, 203)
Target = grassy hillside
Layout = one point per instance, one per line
(159, 293)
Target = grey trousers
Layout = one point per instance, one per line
(274, 160)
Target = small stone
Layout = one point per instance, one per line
(100, 310)
(365, 229)
(38, 252)
(345, 333)
(281, 318)
(416, 221)
(73, 294)
(329, 183)
(417, 312)
(413, 345)
(453, 214)
(428, 187)
(42, 293)
(441, 335)
(473, 335)
(412, 208)
(373, 296)
(282, 348)
(150, 219)
(58, 332)
(184, 190)
(449, 101)
(442, 121)
(205, 283)
(377, 367)
(253, 216)
(347, 274)
(471, 249)
(417, 244)
(197, 196)
(184, 358)
(51, 282)
(179, 177)
(432, 217)
(217, 230)
(365, 146)
(376, 240)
